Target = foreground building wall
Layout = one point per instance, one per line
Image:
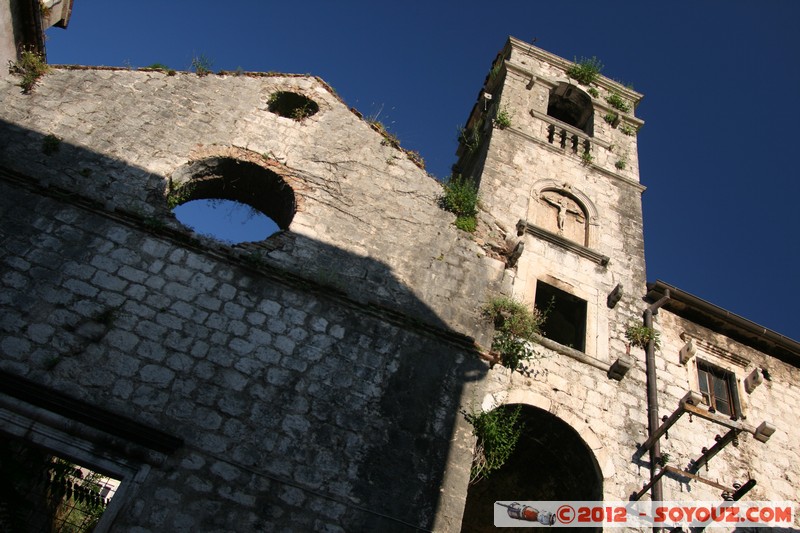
(326, 362)
(316, 380)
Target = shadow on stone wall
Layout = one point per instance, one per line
(346, 387)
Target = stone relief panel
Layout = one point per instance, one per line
(560, 214)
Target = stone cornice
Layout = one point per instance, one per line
(523, 226)
(559, 62)
(548, 146)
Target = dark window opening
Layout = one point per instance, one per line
(572, 106)
(565, 320)
(42, 492)
(719, 390)
(226, 198)
(292, 105)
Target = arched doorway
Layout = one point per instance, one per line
(551, 462)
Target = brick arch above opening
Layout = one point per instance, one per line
(240, 175)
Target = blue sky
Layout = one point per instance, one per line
(720, 79)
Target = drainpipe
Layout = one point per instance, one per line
(656, 493)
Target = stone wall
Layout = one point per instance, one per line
(315, 379)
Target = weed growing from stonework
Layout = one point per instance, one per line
(162, 67)
(389, 139)
(497, 433)
(302, 112)
(179, 195)
(639, 335)
(471, 138)
(585, 71)
(468, 224)
(50, 144)
(515, 326)
(461, 198)
(594, 92)
(30, 67)
(496, 69)
(416, 158)
(611, 118)
(202, 65)
(618, 102)
(586, 158)
(503, 119)
(627, 130)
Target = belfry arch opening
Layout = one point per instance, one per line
(231, 199)
(550, 462)
(571, 105)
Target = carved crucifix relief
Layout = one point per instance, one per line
(561, 214)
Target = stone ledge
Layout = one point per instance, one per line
(524, 226)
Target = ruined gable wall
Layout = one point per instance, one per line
(310, 386)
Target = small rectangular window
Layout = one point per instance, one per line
(719, 389)
(566, 316)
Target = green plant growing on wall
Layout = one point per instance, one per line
(470, 138)
(503, 118)
(585, 71)
(460, 197)
(639, 335)
(468, 224)
(587, 158)
(50, 144)
(202, 65)
(389, 139)
(497, 67)
(612, 118)
(618, 102)
(416, 158)
(594, 92)
(621, 163)
(302, 112)
(162, 67)
(515, 326)
(179, 195)
(497, 433)
(30, 67)
(627, 130)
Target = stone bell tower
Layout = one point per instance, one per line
(555, 157)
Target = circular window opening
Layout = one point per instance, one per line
(231, 200)
(226, 220)
(292, 105)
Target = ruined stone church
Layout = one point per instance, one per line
(318, 380)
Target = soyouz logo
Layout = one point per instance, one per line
(643, 514)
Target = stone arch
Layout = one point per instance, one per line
(564, 210)
(238, 175)
(571, 105)
(553, 460)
